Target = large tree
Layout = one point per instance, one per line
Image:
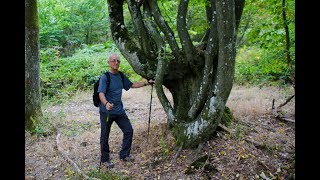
(199, 76)
(32, 66)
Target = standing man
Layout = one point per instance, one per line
(111, 110)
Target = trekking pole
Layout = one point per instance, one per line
(104, 140)
(150, 111)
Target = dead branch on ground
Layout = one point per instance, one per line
(286, 102)
(177, 154)
(276, 110)
(66, 157)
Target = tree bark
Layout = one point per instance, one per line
(199, 77)
(33, 110)
(287, 49)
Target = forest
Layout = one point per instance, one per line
(223, 102)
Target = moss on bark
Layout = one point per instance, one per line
(227, 116)
(183, 140)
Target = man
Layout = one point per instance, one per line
(111, 110)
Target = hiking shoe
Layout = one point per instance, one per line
(128, 159)
(108, 164)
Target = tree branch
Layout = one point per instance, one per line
(177, 155)
(183, 34)
(288, 100)
(152, 29)
(164, 27)
(210, 54)
(159, 89)
(239, 5)
(121, 37)
(275, 110)
(209, 12)
(66, 157)
(138, 23)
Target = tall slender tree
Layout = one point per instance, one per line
(33, 110)
(287, 48)
(198, 75)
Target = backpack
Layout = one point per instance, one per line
(95, 96)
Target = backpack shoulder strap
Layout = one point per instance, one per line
(108, 77)
(122, 77)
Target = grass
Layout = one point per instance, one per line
(75, 87)
(245, 101)
(81, 124)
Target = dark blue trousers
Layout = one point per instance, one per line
(124, 124)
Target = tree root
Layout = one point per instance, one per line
(177, 154)
(66, 157)
(225, 128)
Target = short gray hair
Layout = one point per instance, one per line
(114, 55)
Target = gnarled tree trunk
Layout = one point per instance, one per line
(199, 77)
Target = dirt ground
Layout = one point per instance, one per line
(257, 146)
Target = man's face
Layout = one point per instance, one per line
(114, 62)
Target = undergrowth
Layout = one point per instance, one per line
(61, 77)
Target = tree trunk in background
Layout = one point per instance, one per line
(33, 110)
(199, 77)
(287, 49)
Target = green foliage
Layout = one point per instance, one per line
(169, 12)
(80, 30)
(197, 24)
(43, 128)
(48, 54)
(241, 131)
(70, 23)
(106, 175)
(61, 77)
(52, 19)
(265, 23)
(261, 58)
(163, 145)
(227, 117)
(255, 66)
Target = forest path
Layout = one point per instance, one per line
(230, 156)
